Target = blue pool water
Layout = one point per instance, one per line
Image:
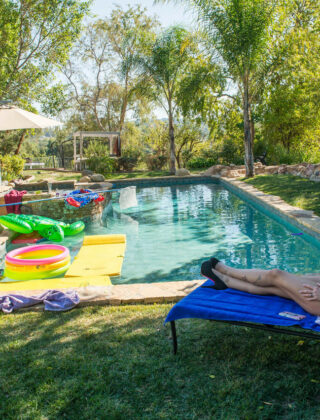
(175, 228)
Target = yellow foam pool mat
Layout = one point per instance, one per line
(99, 255)
(58, 283)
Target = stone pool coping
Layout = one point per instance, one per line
(170, 292)
(124, 294)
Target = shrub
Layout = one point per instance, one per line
(11, 166)
(104, 165)
(231, 152)
(98, 158)
(129, 159)
(199, 162)
(156, 162)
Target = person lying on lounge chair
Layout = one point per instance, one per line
(304, 290)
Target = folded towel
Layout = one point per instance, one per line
(54, 300)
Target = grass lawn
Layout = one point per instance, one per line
(116, 363)
(300, 192)
(60, 176)
(52, 175)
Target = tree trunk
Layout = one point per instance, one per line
(252, 129)
(20, 142)
(172, 143)
(178, 159)
(123, 113)
(248, 143)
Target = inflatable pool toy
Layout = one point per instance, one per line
(48, 228)
(28, 238)
(37, 262)
(100, 256)
(76, 199)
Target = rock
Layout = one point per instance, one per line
(224, 172)
(282, 169)
(86, 172)
(85, 179)
(260, 170)
(213, 170)
(182, 172)
(63, 185)
(272, 169)
(33, 186)
(97, 178)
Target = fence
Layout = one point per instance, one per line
(49, 162)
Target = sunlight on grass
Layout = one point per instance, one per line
(300, 192)
(117, 363)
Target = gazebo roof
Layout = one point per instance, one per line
(96, 133)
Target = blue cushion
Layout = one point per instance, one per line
(233, 305)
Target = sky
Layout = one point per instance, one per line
(168, 13)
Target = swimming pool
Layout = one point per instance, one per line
(175, 228)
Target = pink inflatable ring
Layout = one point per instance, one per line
(45, 254)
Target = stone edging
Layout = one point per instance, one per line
(124, 294)
(303, 219)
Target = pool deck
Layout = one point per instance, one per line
(165, 292)
(125, 294)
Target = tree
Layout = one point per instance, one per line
(35, 37)
(238, 31)
(108, 50)
(188, 136)
(290, 107)
(165, 65)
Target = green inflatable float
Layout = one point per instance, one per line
(48, 228)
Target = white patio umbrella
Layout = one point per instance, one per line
(14, 118)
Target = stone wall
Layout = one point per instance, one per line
(58, 210)
(304, 170)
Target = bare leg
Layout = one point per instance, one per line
(282, 283)
(249, 287)
(258, 277)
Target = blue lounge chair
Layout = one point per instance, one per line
(244, 309)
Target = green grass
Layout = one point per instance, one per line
(138, 174)
(60, 176)
(300, 192)
(51, 175)
(117, 363)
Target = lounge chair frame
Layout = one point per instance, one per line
(265, 327)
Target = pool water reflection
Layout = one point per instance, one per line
(175, 228)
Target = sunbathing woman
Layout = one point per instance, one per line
(304, 290)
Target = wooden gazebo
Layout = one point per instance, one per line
(113, 136)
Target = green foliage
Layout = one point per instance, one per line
(129, 159)
(165, 64)
(108, 83)
(201, 162)
(98, 158)
(11, 166)
(238, 29)
(155, 137)
(291, 108)
(156, 162)
(35, 38)
(188, 137)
